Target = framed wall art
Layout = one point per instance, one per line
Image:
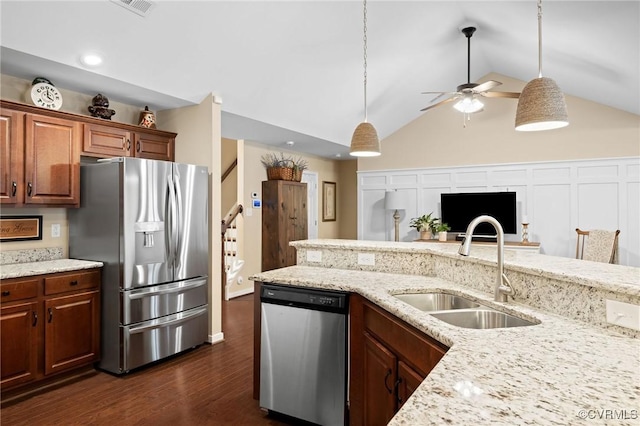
(20, 228)
(328, 201)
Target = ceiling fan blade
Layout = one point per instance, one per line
(439, 103)
(501, 94)
(441, 94)
(487, 85)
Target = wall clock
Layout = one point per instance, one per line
(44, 94)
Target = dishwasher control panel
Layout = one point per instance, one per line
(304, 297)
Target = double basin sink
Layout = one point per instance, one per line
(461, 312)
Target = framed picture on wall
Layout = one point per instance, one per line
(328, 201)
(20, 228)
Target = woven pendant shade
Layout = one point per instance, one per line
(364, 142)
(541, 106)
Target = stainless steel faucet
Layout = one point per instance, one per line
(503, 286)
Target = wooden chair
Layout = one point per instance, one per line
(603, 245)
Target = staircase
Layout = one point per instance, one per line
(231, 262)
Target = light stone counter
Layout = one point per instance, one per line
(24, 263)
(556, 372)
(17, 270)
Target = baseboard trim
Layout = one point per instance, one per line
(216, 338)
(243, 292)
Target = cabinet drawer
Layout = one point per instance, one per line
(71, 282)
(416, 348)
(19, 290)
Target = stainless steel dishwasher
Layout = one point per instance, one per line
(303, 353)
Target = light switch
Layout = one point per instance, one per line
(367, 259)
(623, 314)
(314, 256)
(55, 230)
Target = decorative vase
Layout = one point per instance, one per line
(425, 235)
(147, 119)
(442, 236)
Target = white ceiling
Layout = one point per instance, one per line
(293, 70)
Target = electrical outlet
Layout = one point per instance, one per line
(314, 256)
(55, 230)
(623, 314)
(367, 259)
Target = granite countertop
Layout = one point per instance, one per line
(16, 270)
(24, 263)
(618, 278)
(559, 371)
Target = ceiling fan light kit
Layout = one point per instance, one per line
(541, 105)
(469, 105)
(365, 142)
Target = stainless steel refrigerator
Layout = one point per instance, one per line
(147, 220)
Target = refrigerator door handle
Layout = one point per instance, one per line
(164, 322)
(174, 288)
(171, 221)
(178, 209)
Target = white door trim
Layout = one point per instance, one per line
(311, 179)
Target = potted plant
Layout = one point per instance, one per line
(425, 225)
(278, 167)
(299, 165)
(441, 229)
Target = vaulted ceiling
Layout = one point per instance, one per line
(293, 70)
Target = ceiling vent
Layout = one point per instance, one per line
(139, 7)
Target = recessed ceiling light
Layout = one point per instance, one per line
(338, 155)
(290, 143)
(91, 59)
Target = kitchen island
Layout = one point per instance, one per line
(564, 370)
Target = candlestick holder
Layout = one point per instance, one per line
(525, 233)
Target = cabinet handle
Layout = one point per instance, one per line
(29, 188)
(35, 318)
(128, 144)
(6, 293)
(396, 388)
(138, 146)
(389, 372)
(74, 282)
(50, 314)
(14, 188)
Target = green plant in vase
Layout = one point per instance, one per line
(425, 225)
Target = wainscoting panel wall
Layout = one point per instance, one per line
(557, 198)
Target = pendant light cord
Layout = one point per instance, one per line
(539, 38)
(365, 57)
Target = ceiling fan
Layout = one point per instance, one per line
(467, 94)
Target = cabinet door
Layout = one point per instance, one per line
(294, 198)
(380, 375)
(11, 156)
(153, 147)
(72, 334)
(105, 142)
(52, 161)
(19, 340)
(408, 382)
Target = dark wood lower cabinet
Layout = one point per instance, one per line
(389, 360)
(49, 324)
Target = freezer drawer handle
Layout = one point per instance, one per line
(189, 286)
(164, 323)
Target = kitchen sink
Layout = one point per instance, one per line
(481, 318)
(436, 301)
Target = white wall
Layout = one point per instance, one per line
(557, 197)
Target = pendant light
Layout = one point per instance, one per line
(541, 105)
(364, 142)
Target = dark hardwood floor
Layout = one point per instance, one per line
(210, 385)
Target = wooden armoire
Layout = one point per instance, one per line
(284, 219)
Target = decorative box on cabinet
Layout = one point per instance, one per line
(49, 324)
(284, 219)
(41, 157)
(389, 359)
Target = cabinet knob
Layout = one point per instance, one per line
(35, 318)
(29, 188)
(128, 144)
(6, 293)
(14, 188)
(138, 146)
(74, 282)
(50, 314)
